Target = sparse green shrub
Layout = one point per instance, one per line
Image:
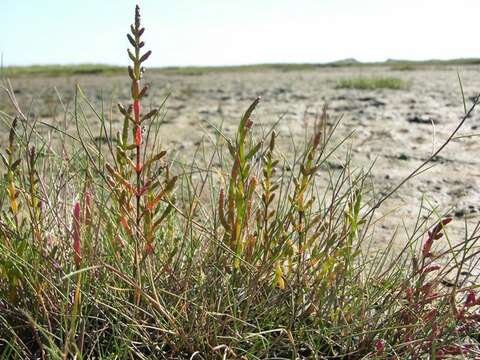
(404, 67)
(371, 83)
(108, 250)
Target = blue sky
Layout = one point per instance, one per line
(228, 32)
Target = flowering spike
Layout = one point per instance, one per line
(446, 221)
(380, 347)
(137, 17)
(471, 299)
(409, 295)
(145, 56)
(431, 268)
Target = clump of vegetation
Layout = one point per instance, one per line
(109, 250)
(404, 67)
(371, 83)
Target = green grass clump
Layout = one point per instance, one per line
(371, 83)
(108, 249)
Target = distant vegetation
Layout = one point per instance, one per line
(62, 70)
(371, 83)
(86, 69)
(404, 67)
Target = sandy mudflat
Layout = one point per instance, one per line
(392, 126)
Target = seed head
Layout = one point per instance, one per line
(137, 17)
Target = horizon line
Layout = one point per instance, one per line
(345, 61)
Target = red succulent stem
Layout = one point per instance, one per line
(135, 73)
(137, 135)
(138, 164)
(136, 97)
